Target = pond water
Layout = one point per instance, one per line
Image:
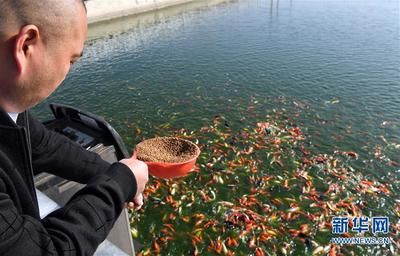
(339, 59)
(333, 64)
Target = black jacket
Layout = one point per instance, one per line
(84, 222)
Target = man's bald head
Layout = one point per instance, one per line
(52, 17)
(39, 41)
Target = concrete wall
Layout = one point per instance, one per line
(101, 10)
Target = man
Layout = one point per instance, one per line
(39, 41)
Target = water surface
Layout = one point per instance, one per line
(339, 60)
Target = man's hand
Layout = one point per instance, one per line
(136, 203)
(139, 169)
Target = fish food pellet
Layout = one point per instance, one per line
(167, 150)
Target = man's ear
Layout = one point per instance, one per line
(25, 43)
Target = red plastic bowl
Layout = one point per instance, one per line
(171, 170)
(168, 170)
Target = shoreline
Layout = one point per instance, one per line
(104, 10)
(123, 22)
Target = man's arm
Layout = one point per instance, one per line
(56, 154)
(75, 229)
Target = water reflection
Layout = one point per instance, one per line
(144, 20)
(274, 9)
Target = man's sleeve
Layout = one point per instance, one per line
(56, 154)
(75, 229)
